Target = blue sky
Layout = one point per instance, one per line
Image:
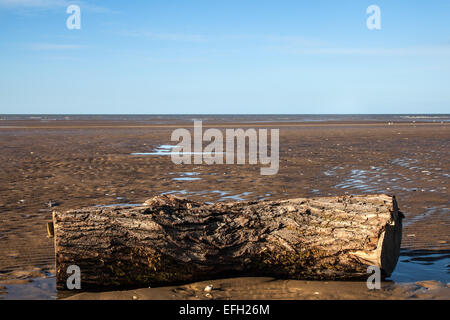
(188, 56)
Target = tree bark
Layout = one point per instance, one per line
(168, 240)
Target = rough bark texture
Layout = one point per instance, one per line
(170, 240)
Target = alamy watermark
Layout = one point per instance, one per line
(74, 20)
(214, 152)
(74, 280)
(373, 22)
(374, 280)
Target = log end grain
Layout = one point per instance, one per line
(387, 251)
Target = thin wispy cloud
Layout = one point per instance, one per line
(55, 46)
(28, 5)
(294, 44)
(41, 4)
(167, 36)
(186, 37)
(406, 51)
(292, 40)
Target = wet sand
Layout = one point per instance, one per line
(272, 289)
(84, 163)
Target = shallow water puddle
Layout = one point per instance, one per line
(36, 289)
(186, 179)
(162, 150)
(119, 205)
(420, 265)
(176, 192)
(236, 197)
(187, 176)
(166, 150)
(224, 195)
(377, 179)
(412, 164)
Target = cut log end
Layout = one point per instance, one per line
(386, 254)
(390, 248)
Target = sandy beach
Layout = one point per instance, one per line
(78, 163)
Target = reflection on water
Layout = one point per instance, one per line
(36, 289)
(166, 150)
(376, 180)
(187, 176)
(224, 195)
(162, 150)
(236, 197)
(186, 179)
(400, 175)
(119, 205)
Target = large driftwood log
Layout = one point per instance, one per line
(170, 240)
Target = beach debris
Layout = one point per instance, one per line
(252, 231)
(50, 229)
(208, 288)
(52, 203)
(430, 284)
